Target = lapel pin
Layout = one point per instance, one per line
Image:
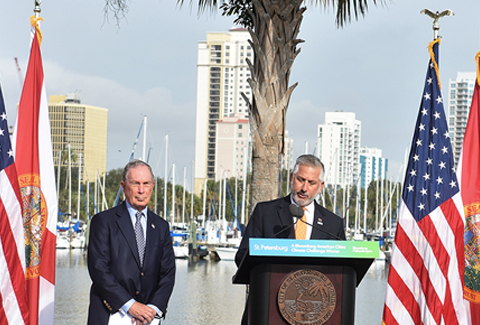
(153, 226)
(320, 222)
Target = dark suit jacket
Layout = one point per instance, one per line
(273, 219)
(114, 267)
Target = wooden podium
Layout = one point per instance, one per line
(304, 281)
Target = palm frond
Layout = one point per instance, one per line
(347, 8)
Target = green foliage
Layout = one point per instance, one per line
(372, 214)
(242, 9)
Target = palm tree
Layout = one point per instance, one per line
(273, 27)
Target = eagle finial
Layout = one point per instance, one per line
(436, 16)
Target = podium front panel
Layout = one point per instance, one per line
(335, 286)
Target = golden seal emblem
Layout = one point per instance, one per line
(35, 214)
(306, 297)
(471, 239)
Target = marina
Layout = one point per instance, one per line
(203, 293)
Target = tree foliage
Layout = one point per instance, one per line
(273, 27)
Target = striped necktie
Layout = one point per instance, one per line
(301, 227)
(140, 237)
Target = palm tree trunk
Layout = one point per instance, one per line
(274, 41)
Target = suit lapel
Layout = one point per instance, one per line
(125, 225)
(285, 216)
(318, 222)
(151, 230)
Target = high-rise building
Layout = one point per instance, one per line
(222, 74)
(372, 166)
(231, 142)
(460, 93)
(338, 147)
(287, 159)
(82, 126)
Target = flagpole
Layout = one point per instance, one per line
(37, 9)
(436, 16)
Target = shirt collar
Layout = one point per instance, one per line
(132, 211)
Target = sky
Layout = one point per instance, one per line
(145, 64)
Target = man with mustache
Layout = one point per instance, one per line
(273, 219)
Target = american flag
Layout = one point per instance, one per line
(13, 307)
(425, 280)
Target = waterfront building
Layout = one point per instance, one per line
(372, 166)
(222, 74)
(287, 159)
(338, 147)
(460, 93)
(231, 141)
(82, 126)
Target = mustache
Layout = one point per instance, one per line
(302, 192)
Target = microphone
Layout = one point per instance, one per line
(294, 211)
(298, 212)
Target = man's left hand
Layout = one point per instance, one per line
(142, 314)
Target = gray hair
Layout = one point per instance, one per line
(309, 161)
(133, 164)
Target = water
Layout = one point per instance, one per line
(203, 293)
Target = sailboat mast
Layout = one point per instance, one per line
(366, 206)
(104, 197)
(184, 184)
(244, 192)
(204, 200)
(236, 181)
(69, 181)
(58, 173)
(95, 190)
(165, 180)
(79, 184)
(173, 193)
(191, 191)
(224, 194)
(376, 204)
(220, 190)
(144, 153)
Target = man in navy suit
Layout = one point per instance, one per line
(130, 255)
(273, 219)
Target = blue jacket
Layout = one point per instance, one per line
(114, 267)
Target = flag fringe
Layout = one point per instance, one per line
(35, 23)
(478, 67)
(432, 57)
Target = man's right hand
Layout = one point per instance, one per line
(142, 314)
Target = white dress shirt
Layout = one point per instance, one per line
(309, 213)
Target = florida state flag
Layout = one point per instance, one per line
(36, 177)
(468, 173)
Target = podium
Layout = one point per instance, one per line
(304, 281)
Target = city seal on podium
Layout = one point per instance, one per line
(306, 297)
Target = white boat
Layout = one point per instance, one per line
(382, 256)
(226, 253)
(181, 251)
(78, 241)
(62, 242)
